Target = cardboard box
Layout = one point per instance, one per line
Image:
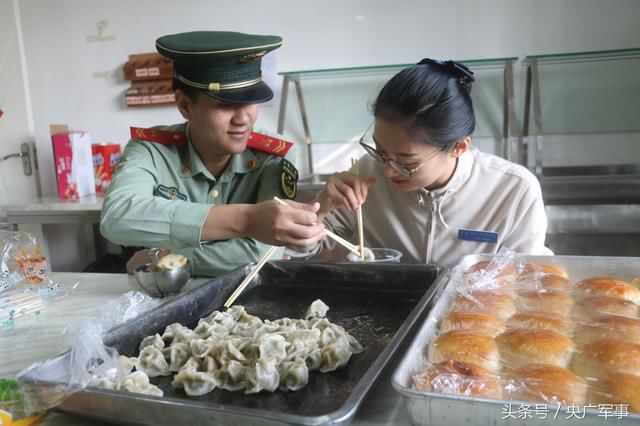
(105, 159)
(73, 162)
(150, 93)
(148, 66)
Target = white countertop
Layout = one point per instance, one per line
(52, 209)
(38, 339)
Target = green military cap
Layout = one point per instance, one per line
(225, 65)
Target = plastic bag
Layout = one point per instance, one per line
(90, 360)
(24, 280)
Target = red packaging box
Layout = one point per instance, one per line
(105, 159)
(73, 162)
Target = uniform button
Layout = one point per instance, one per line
(185, 170)
(214, 193)
(251, 164)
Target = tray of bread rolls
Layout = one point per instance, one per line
(515, 339)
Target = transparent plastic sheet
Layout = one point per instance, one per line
(91, 362)
(25, 285)
(521, 331)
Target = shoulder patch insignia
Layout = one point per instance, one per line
(170, 193)
(289, 179)
(268, 144)
(164, 137)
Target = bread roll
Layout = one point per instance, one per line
(522, 346)
(608, 327)
(590, 307)
(466, 346)
(490, 275)
(546, 384)
(542, 320)
(555, 302)
(606, 286)
(543, 269)
(600, 358)
(479, 321)
(500, 305)
(617, 388)
(459, 378)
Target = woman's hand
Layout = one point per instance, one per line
(344, 190)
(294, 224)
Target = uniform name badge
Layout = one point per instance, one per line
(480, 236)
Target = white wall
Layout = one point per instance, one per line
(80, 83)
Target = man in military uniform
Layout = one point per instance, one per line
(204, 188)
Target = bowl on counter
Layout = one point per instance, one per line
(161, 283)
(380, 255)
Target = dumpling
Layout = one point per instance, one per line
(152, 362)
(194, 383)
(317, 309)
(296, 376)
(264, 376)
(273, 346)
(127, 364)
(138, 382)
(335, 355)
(172, 330)
(177, 355)
(155, 340)
(104, 383)
(232, 376)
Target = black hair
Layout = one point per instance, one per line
(432, 96)
(190, 92)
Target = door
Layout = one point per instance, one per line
(16, 124)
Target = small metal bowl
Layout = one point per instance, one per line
(162, 283)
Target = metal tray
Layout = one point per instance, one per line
(428, 408)
(377, 303)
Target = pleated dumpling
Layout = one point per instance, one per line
(155, 340)
(177, 333)
(296, 375)
(273, 346)
(138, 382)
(232, 376)
(317, 309)
(177, 355)
(194, 383)
(264, 376)
(151, 361)
(335, 355)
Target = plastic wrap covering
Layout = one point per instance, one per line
(25, 285)
(525, 331)
(91, 362)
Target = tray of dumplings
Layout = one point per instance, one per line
(530, 340)
(302, 344)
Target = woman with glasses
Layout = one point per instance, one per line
(424, 189)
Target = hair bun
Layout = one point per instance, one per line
(457, 69)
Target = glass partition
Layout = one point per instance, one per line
(334, 107)
(581, 113)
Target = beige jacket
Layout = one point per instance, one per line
(486, 193)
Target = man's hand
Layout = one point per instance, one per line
(294, 224)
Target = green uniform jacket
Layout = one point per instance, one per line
(160, 196)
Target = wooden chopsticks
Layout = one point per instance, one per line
(354, 164)
(249, 277)
(346, 244)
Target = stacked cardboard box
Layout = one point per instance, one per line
(150, 75)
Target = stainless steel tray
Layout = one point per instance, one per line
(427, 408)
(377, 303)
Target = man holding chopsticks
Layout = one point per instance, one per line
(204, 188)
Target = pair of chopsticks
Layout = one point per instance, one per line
(330, 234)
(355, 249)
(17, 305)
(354, 164)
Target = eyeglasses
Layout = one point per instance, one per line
(403, 170)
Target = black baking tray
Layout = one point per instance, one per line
(376, 303)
